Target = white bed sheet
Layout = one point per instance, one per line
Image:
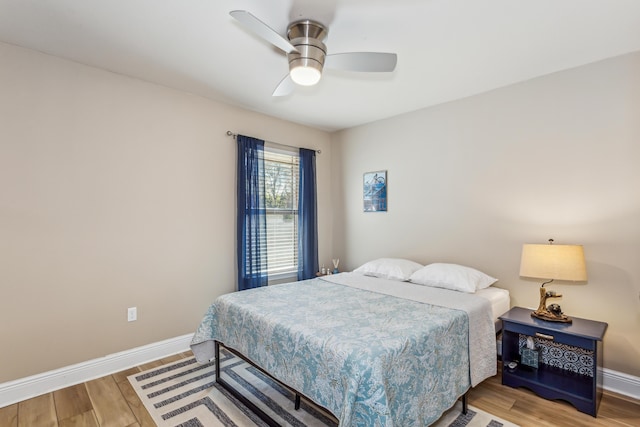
(500, 302)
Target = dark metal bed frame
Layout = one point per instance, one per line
(259, 412)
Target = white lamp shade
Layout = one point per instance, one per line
(557, 262)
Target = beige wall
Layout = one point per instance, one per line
(115, 193)
(471, 181)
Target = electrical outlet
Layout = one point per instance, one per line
(132, 314)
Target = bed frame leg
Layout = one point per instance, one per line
(217, 356)
(465, 407)
(297, 404)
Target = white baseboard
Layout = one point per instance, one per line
(26, 388)
(35, 385)
(621, 383)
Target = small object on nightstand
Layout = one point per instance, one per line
(555, 309)
(512, 365)
(530, 357)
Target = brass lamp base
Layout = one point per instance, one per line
(550, 317)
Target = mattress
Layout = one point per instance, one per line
(500, 302)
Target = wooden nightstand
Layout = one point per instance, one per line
(583, 389)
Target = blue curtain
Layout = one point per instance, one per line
(307, 217)
(252, 220)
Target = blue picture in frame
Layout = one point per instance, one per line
(375, 191)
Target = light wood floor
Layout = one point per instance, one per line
(110, 401)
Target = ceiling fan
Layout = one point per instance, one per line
(307, 54)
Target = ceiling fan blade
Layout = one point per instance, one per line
(285, 87)
(362, 61)
(261, 29)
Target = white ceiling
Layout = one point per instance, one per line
(447, 49)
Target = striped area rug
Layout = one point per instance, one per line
(185, 394)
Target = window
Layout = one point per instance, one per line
(272, 185)
(281, 175)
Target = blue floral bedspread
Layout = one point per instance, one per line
(371, 359)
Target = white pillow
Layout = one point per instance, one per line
(389, 268)
(452, 276)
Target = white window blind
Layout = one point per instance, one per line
(281, 174)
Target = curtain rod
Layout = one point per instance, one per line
(234, 135)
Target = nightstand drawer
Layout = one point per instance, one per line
(551, 335)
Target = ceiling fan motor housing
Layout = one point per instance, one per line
(306, 36)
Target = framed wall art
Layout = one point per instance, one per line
(375, 191)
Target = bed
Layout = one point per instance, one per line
(372, 351)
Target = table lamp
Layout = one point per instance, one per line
(552, 262)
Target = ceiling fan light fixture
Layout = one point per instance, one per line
(306, 74)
